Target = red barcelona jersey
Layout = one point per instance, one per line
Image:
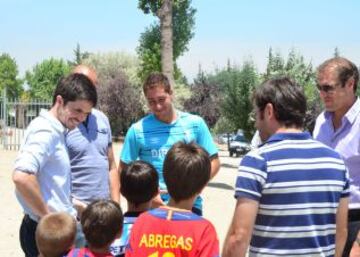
(164, 232)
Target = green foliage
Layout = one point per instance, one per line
(294, 67)
(44, 77)
(110, 63)
(8, 76)
(78, 56)
(236, 85)
(303, 73)
(204, 100)
(149, 49)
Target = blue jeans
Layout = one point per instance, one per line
(27, 237)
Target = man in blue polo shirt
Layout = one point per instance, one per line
(150, 138)
(292, 192)
(94, 173)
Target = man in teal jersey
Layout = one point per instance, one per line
(150, 138)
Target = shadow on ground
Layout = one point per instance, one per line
(226, 165)
(220, 186)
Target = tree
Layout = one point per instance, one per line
(303, 73)
(236, 85)
(162, 43)
(119, 90)
(108, 64)
(78, 56)
(204, 101)
(44, 77)
(8, 76)
(120, 102)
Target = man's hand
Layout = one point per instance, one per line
(79, 206)
(355, 250)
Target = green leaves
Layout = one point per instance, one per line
(44, 77)
(149, 49)
(8, 76)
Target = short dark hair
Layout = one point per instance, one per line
(186, 170)
(287, 98)
(344, 68)
(55, 234)
(102, 221)
(75, 87)
(139, 182)
(156, 79)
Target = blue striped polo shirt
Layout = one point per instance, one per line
(298, 183)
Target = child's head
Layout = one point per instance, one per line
(186, 170)
(139, 182)
(55, 234)
(102, 222)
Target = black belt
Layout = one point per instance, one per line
(29, 220)
(354, 215)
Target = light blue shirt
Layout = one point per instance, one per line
(88, 146)
(44, 154)
(346, 141)
(150, 139)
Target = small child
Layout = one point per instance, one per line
(101, 223)
(139, 184)
(55, 234)
(174, 230)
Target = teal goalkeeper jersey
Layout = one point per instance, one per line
(150, 139)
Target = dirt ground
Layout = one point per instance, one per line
(218, 200)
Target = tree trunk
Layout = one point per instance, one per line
(167, 61)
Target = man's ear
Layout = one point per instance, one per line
(59, 100)
(350, 83)
(269, 111)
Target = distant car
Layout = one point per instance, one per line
(223, 138)
(239, 146)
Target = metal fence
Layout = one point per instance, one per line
(15, 116)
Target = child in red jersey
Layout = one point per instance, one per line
(173, 230)
(101, 222)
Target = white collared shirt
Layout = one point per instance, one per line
(44, 154)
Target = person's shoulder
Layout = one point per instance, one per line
(97, 113)
(326, 150)
(44, 128)
(190, 117)
(144, 121)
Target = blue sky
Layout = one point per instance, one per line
(34, 30)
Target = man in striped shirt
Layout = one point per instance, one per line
(292, 192)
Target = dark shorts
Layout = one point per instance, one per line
(27, 237)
